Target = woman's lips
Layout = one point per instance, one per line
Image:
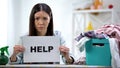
(40, 27)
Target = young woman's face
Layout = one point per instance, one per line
(42, 20)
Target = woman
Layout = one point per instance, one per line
(41, 24)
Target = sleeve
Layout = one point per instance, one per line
(19, 56)
(19, 59)
(62, 42)
(64, 60)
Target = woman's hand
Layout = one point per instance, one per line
(17, 49)
(65, 53)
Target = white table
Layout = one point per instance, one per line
(49, 66)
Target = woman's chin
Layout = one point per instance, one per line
(40, 30)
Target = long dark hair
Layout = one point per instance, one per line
(36, 8)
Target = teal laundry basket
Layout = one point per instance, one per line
(98, 52)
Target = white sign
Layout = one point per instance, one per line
(41, 49)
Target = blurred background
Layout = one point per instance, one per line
(14, 18)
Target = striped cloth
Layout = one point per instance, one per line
(113, 31)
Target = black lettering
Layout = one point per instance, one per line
(44, 49)
(39, 49)
(33, 49)
(50, 48)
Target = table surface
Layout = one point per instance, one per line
(51, 65)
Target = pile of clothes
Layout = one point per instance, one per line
(107, 31)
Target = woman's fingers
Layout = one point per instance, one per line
(19, 48)
(64, 49)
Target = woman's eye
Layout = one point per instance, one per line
(37, 18)
(45, 18)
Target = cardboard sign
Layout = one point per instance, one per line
(41, 49)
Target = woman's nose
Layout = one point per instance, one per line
(40, 22)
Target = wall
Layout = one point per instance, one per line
(14, 20)
(3, 22)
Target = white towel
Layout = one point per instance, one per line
(115, 62)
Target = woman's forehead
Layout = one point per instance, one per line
(41, 13)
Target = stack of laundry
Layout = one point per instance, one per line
(107, 31)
